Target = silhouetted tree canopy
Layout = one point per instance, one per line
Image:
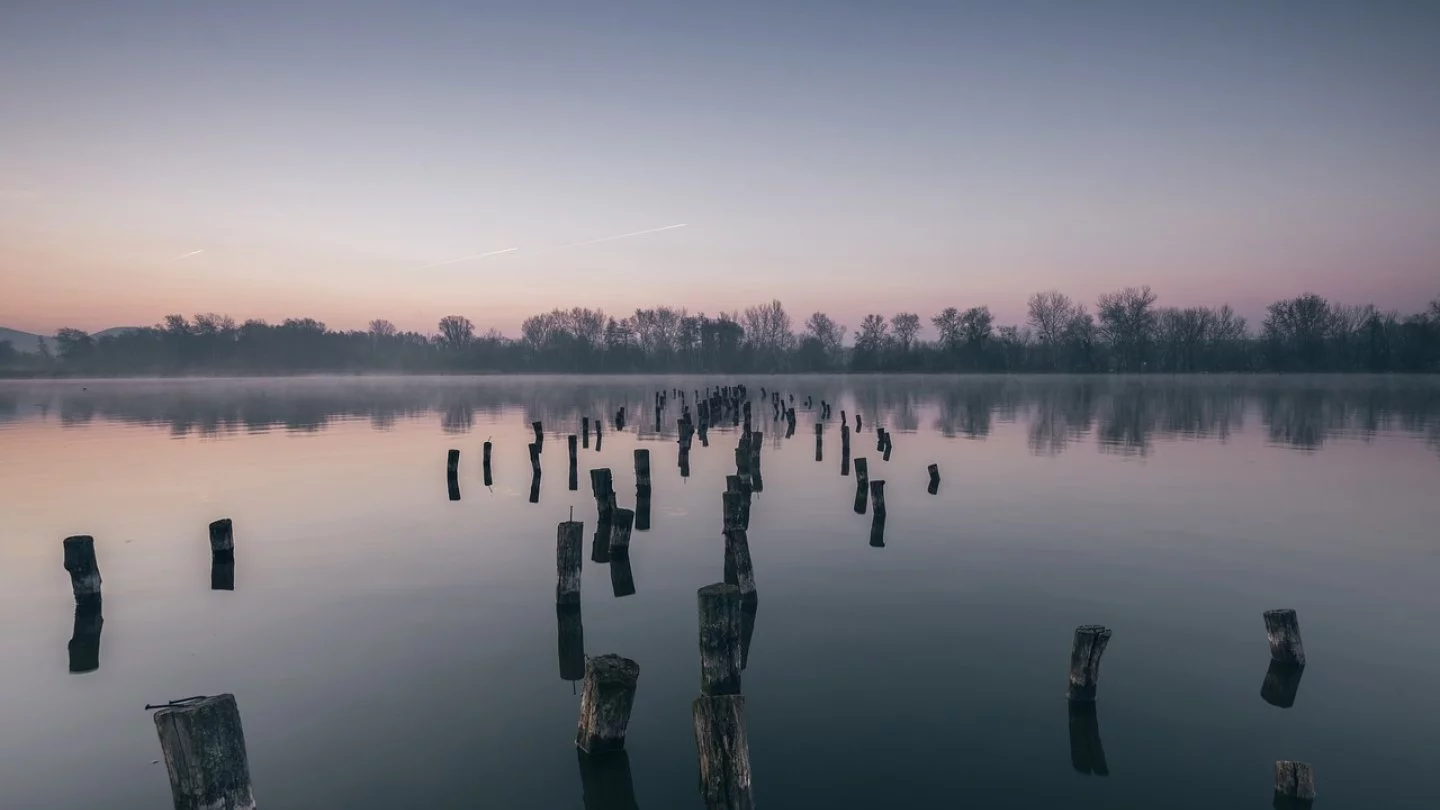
(1128, 333)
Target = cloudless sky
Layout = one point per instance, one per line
(844, 156)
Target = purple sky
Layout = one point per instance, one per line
(844, 156)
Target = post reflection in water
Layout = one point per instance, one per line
(622, 579)
(222, 573)
(84, 647)
(1281, 684)
(605, 781)
(877, 531)
(1087, 755)
(572, 643)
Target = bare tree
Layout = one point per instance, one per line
(906, 326)
(1051, 312)
(381, 328)
(456, 331)
(1127, 321)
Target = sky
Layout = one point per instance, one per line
(330, 158)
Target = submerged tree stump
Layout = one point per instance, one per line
(739, 570)
(1283, 629)
(1294, 784)
(605, 703)
(204, 748)
(1089, 645)
(222, 538)
(569, 544)
(620, 526)
(84, 569)
(720, 628)
(723, 747)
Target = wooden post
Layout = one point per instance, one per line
(857, 423)
(452, 463)
(877, 495)
(1294, 784)
(204, 748)
(1087, 755)
(572, 642)
(84, 647)
(879, 440)
(535, 488)
(603, 488)
(605, 703)
(1089, 645)
(486, 464)
(569, 538)
(819, 441)
(739, 570)
(585, 430)
(539, 433)
(719, 639)
(642, 470)
(570, 443)
(723, 746)
(1281, 684)
(84, 569)
(624, 521)
(535, 459)
(1283, 629)
(862, 485)
(934, 470)
(736, 506)
(222, 539)
(877, 531)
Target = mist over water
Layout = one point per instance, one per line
(389, 646)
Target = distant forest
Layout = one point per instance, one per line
(1127, 332)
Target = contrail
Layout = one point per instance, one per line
(613, 238)
(466, 258)
(188, 255)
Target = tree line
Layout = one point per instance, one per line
(1127, 332)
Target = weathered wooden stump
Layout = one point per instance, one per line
(605, 781)
(599, 432)
(452, 463)
(862, 485)
(733, 510)
(585, 430)
(934, 470)
(571, 443)
(723, 747)
(684, 463)
(1283, 629)
(222, 539)
(879, 440)
(572, 642)
(622, 577)
(84, 569)
(602, 486)
(819, 441)
(739, 570)
(1294, 784)
(857, 423)
(877, 496)
(569, 538)
(222, 573)
(600, 544)
(605, 703)
(539, 433)
(642, 470)
(1281, 684)
(1087, 754)
(535, 459)
(485, 464)
(642, 512)
(84, 647)
(452, 488)
(535, 488)
(620, 527)
(1089, 645)
(720, 655)
(204, 748)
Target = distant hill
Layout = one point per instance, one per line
(30, 344)
(22, 341)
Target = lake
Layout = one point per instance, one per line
(390, 647)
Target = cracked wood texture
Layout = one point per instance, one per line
(1090, 641)
(1283, 629)
(605, 703)
(722, 744)
(720, 655)
(569, 541)
(204, 749)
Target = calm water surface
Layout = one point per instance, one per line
(391, 648)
